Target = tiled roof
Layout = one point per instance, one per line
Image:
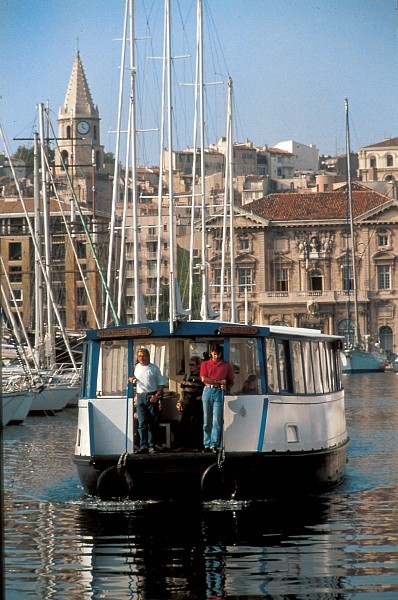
(384, 144)
(315, 206)
(14, 207)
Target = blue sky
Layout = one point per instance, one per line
(292, 63)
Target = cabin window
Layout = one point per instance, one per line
(112, 376)
(298, 369)
(384, 277)
(159, 354)
(316, 363)
(308, 372)
(243, 357)
(284, 366)
(272, 368)
(325, 367)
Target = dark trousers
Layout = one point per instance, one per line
(148, 420)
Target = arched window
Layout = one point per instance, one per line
(373, 161)
(65, 158)
(390, 160)
(346, 329)
(315, 280)
(68, 132)
(386, 338)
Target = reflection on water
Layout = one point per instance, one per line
(60, 544)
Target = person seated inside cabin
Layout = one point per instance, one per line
(250, 385)
(190, 406)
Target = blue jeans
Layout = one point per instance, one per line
(212, 399)
(148, 420)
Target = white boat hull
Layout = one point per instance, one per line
(53, 398)
(359, 361)
(16, 406)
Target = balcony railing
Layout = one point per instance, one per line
(303, 297)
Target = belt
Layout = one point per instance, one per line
(213, 386)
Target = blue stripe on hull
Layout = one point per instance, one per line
(262, 425)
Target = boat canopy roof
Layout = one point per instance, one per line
(157, 329)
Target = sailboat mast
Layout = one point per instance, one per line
(115, 189)
(37, 231)
(50, 335)
(205, 308)
(231, 203)
(357, 339)
(172, 301)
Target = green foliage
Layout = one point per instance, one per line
(27, 155)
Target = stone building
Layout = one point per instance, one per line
(379, 162)
(292, 268)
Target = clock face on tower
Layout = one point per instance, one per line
(83, 127)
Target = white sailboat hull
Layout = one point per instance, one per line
(54, 398)
(16, 406)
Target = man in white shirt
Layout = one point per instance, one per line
(150, 383)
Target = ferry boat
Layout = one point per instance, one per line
(288, 435)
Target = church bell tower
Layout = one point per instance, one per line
(79, 144)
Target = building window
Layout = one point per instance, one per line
(282, 279)
(15, 274)
(386, 339)
(373, 162)
(244, 243)
(81, 249)
(346, 329)
(390, 160)
(18, 296)
(58, 251)
(382, 239)
(82, 321)
(384, 277)
(347, 279)
(245, 278)
(217, 279)
(81, 296)
(15, 251)
(316, 280)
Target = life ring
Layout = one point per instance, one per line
(218, 483)
(114, 484)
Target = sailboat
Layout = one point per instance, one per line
(286, 435)
(355, 358)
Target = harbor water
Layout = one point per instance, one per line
(343, 544)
